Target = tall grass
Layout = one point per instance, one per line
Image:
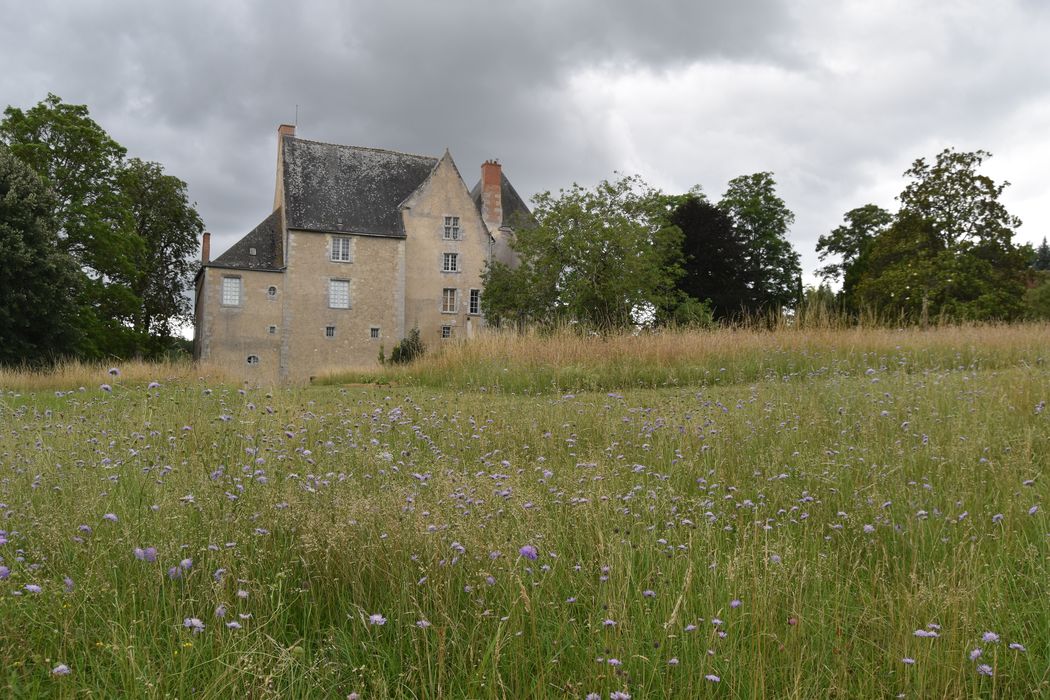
(566, 360)
(72, 374)
(862, 519)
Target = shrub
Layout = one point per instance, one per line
(410, 348)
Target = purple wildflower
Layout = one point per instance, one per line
(908, 660)
(376, 619)
(4, 572)
(648, 594)
(712, 677)
(672, 662)
(153, 385)
(985, 670)
(422, 624)
(194, 624)
(111, 517)
(220, 611)
(68, 582)
(60, 670)
(242, 594)
(105, 387)
(926, 634)
(990, 637)
(233, 625)
(33, 588)
(609, 623)
(735, 603)
(619, 695)
(186, 564)
(976, 653)
(529, 552)
(1017, 647)
(114, 372)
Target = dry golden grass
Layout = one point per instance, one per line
(74, 374)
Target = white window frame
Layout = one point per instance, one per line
(451, 230)
(474, 302)
(232, 290)
(450, 262)
(342, 249)
(337, 300)
(447, 308)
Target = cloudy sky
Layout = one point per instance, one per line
(835, 98)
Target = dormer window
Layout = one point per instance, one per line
(451, 228)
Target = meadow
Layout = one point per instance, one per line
(837, 513)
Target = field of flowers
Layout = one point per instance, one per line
(861, 528)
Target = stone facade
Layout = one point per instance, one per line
(363, 245)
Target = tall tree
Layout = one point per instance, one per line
(1042, 256)
(950, 248)
(169, 229)
(599, 257)
(714, 256)
(80, 163)
(762, 221)
(38, 282)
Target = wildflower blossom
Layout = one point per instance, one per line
(33, 588)
(735, 603)
(908, 660)
(60, 670)
(376, 619)
(990, 637)
(926, 634)
(111, 517)
(985, 670)
(114, 372)
(194, 624)
(1017, 647)
(712, 677)
(975, 654)
(529, 552)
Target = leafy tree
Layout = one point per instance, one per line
(81, 164)
(597, 257)
(762, 220)
(1037, 298)
(714, 257)
(950, 249)
(38, 282)
(169, 229)
(1042, 256)
(850, 243)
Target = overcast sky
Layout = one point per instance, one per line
(835, 98)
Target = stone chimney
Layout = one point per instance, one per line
(206, 248)
(278, 190)
(491, 201)
(286, 130)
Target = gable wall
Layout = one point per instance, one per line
(443, 194)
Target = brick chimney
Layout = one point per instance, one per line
(286, 130)
(491, 201)
(206, 248)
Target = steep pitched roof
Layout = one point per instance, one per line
(268, 243)
(348, 189)
(514, 207)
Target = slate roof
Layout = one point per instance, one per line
(349, 189)
(514, 207)
(268, 241)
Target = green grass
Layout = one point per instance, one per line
(329, 504)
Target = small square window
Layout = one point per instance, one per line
(340, 249)
(329, 331)
(271, 292)
(272, 330)
(231, 291)
(450, 262)
(449, 297)
(446, 331)
(251, 251)
(339, 294)
(373, 333)
(475, 302)
(451, 228)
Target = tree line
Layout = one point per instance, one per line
(96, 248)
(625, 254)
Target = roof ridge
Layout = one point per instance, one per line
(365, 148)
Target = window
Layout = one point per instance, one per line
(451, 228)
(271, 292)
(448, 300)
(446, 331)
(251, 251)
(373, 333)
(339, 294)
(272, 330)
(340, 249)
(329, 331)
(450, 262)
(253, 359)
(231, 291)
(475, 302)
